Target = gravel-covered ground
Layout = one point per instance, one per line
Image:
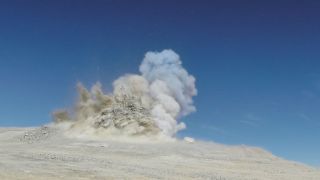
(45, 153)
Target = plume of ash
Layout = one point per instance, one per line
(150, 103)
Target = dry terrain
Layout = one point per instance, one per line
(45, 153)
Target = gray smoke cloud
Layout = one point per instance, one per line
(171, 88)
(150, 103)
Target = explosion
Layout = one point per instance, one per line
(151, 103)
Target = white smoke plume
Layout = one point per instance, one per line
(150, 103)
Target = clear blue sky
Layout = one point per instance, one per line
(257, 64)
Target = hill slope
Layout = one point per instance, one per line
(45, 153)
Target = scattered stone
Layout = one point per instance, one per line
(36, 135)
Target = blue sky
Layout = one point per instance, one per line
(257, 63)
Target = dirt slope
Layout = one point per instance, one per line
(47, 154)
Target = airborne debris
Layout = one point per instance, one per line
(126, 113)
(123, 112)
(152, 102)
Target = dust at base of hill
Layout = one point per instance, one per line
(45, 153)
